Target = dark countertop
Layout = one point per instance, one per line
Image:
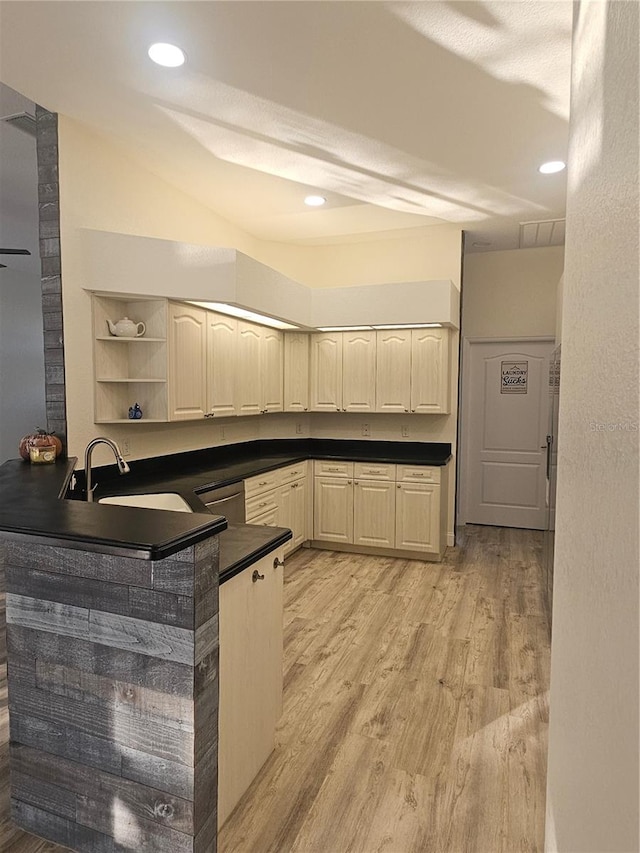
(30, 495)
(201, 470)
(241, 545)
(30, 506)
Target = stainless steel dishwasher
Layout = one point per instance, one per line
(227, 501)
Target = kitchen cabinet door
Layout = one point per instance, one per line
(292, 513)
(187, 362)
(333, 509)
(248, 370)
(358, 371)
(326, 372)
(296, 372)
(418, 517)
(374, 513)
(430, 371)
(222, 334)
(393, 370)
(272, 370)
(251, 635)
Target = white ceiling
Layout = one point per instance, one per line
(403, 114)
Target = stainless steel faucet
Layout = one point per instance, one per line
(123, 468)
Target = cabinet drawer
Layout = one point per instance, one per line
(374, 471)
(266, 519)
(292, 472)
(260, 483)
(417, 474)
(327, 468)
(259, 504)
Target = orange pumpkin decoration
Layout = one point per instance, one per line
(40, 438)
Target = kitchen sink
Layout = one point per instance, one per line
(158, 500)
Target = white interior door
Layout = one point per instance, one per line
(505, 429)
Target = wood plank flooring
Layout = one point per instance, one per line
(415, 708)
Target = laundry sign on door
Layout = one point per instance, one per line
(513, 377)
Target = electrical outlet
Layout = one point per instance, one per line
(405, 431)
(365, 429)
(298, 429)
(126, 447)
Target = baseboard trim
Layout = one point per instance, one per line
(376, 552)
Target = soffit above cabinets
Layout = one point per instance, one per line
(126, 264)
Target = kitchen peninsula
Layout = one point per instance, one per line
(112, 641)
(113, 637)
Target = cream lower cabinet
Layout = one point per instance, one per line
(380, 508)
(250, 675)
(374, 514)
(293, 504)
(279, 498)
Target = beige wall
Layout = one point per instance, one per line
(512, 293)
(592, 793)
(101, 189)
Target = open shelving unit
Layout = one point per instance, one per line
(130, 370)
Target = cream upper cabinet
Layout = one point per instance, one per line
(248, 369)
(430, 371)
(393, 370)
(222, 334)
(187, 361)
(296, 372)
(374, 510)
(326, 372)
(271, 365)
(359, 371)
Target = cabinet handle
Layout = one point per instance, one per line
(264, 483)
(277, 562)
(256, 576)
(264, 503)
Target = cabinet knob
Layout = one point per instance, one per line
(413, 410)
(256, 576)
(406, 410)
(305, 409)
(348, 482)
(277, 562)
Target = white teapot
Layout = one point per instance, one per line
(126, 328)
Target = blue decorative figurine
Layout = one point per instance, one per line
(135, 412)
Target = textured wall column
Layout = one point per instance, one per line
(49, 223)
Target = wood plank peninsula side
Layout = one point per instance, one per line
(113, 696)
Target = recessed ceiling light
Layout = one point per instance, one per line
(552, 167)
(166, 54)
(315, 200)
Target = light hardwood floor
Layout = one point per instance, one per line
(415, 708)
